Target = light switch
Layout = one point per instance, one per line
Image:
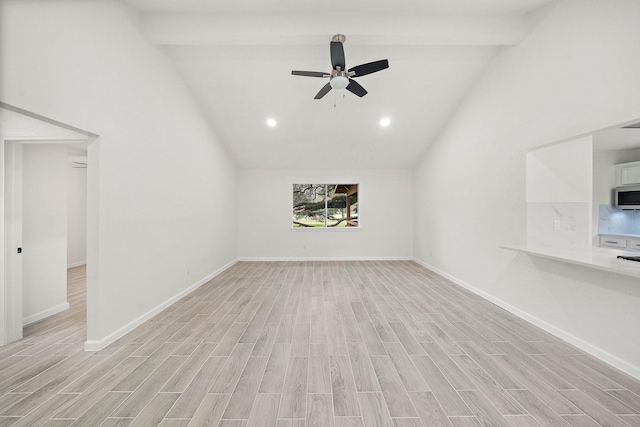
(556, 225)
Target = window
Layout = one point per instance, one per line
(325, 205)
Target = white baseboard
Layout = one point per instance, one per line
(45, 313)
(280, 259)
(601, 354)
(96, 345)
(76, 264)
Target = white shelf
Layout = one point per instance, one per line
(599, 258)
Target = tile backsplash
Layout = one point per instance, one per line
(572, 219)
(617, 221)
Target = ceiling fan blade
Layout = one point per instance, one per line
(337, 55)
(325, 90)
(355, 88)
(310, 73)
(371, 67)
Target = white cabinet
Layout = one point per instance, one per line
(634, 245)
(628, 174)
(630, 243)
(613, 242)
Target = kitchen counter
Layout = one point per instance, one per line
(593, 257)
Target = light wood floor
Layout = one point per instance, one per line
(304, 344)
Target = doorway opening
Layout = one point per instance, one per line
(44, 225)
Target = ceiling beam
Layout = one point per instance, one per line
(308, 29)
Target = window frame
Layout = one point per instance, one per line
(326, 228)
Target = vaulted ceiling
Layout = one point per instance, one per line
(237, 57)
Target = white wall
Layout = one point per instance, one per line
(44, 230)
(384, 200)
(574, 74)
(162, 190)
(77, 212)
(559, 197)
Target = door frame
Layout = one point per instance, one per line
(12, 230)
(11, 319)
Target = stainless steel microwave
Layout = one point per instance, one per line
(627, 197)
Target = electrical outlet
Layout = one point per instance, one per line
(556, 225)
(188, 270)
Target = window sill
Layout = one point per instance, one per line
(322, 229)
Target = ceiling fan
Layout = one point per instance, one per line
(340, 77)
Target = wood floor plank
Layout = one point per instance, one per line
(409, 375)
(300, 340)
(265, 340)
(485, 412)
(226, 381)
(155, 411)
(102, 408)
(490, 365)
(383, 329)
(363, 373)
(447, 366)
(374, 410)
(443, 340)
(136, 402)
(348, 421)
(168, 422)
(451, 402)
(336, 339)
(318, 333)
(581, 421)
(291, 423)
(407, 422)
(285, 331)
(232, 423)
(351, 331)
(146, 368)
(592, 408)
(605, 398)
(542, 390)
(239, 407)
(294, 394)
(183, 376)
(276, 369)
(345, 399)
(265, 410)
(99, 389)
(303, 343)
(505, 404)
(396, 398)
(228, 343)
(538, 409)
(191, 398)
(40, 414)
(371, 339)
(210, 411)
(319, 370)
(410, 343)
(319, 410)
(429, 410)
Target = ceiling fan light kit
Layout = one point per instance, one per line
(339, 82)
(340, 77)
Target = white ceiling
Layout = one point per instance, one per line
(237, 57)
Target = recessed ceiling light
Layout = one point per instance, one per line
(385, 121)
(271, 122)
